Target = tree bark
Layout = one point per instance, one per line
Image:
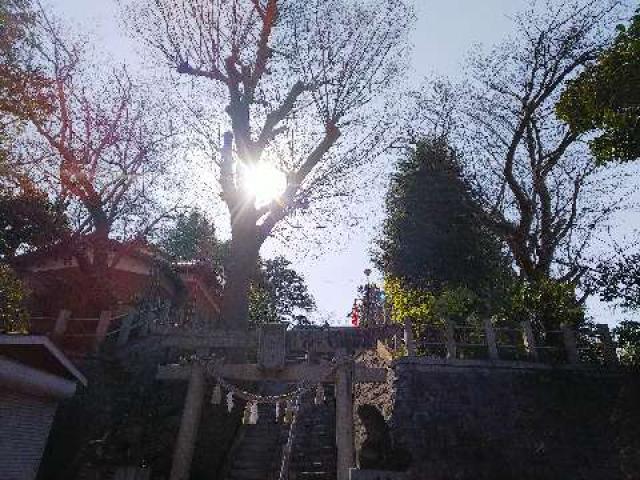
(92, 255)
(242, 261)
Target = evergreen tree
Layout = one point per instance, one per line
(193, 238)
(279, 294)
(28, 221)
(13, 315)
(431, 238)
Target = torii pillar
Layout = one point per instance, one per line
(344, 415)
(188, 433)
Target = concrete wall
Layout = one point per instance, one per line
(24, 427)
(473, 422)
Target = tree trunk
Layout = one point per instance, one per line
(239, 270)
(92, 255)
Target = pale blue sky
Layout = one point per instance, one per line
(444, 33)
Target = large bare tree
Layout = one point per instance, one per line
(99, 151)
(299, 81)
(538, 185)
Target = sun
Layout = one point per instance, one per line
(264, 181)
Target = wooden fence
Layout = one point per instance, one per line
(482, 341)
(488, 342)
(77, 334)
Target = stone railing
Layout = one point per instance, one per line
(487, 342)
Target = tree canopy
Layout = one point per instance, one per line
(628, 337)
(300, 83)
(431, 236)
(303, 86)
(28, 221)
(439, 261)
(618, 280)
(533, 177)
(25, 90)
(279, 294)
(80, 149)
(193, 238)
(605, 98)
(13, 314)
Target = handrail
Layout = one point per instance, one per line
(288, 447)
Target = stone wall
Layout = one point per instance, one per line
(474, 422)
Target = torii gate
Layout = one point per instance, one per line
(271, 366)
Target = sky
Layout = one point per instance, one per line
(444, 33)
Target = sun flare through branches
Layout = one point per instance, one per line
(263, 181)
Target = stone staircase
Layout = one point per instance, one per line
(314, 452)
(258, 452)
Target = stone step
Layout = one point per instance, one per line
(267, 427)
(301, 461)
(254, 449)
(261, 439)
(258, 441)
(324, 437)
(306, 466)
(249, 474)
(264, 465)
(315, 476)
(300, 457)
(259, 453)
(310, 450)
(265, 459)
(310, 467)
(303, 457)
(314, 441)
(251, 451)
(264, 429)
(262, 434)
(312, 435)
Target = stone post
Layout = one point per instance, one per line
(610, 354)
(125, 330)
(103, 326)
(185, 444)
(145, 323)
(344, 416)
(409, 341)
(61, 323)
(529, 340)
(570, 344)
(490, 335)
(451, 340)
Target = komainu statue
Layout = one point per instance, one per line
(378, 451)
